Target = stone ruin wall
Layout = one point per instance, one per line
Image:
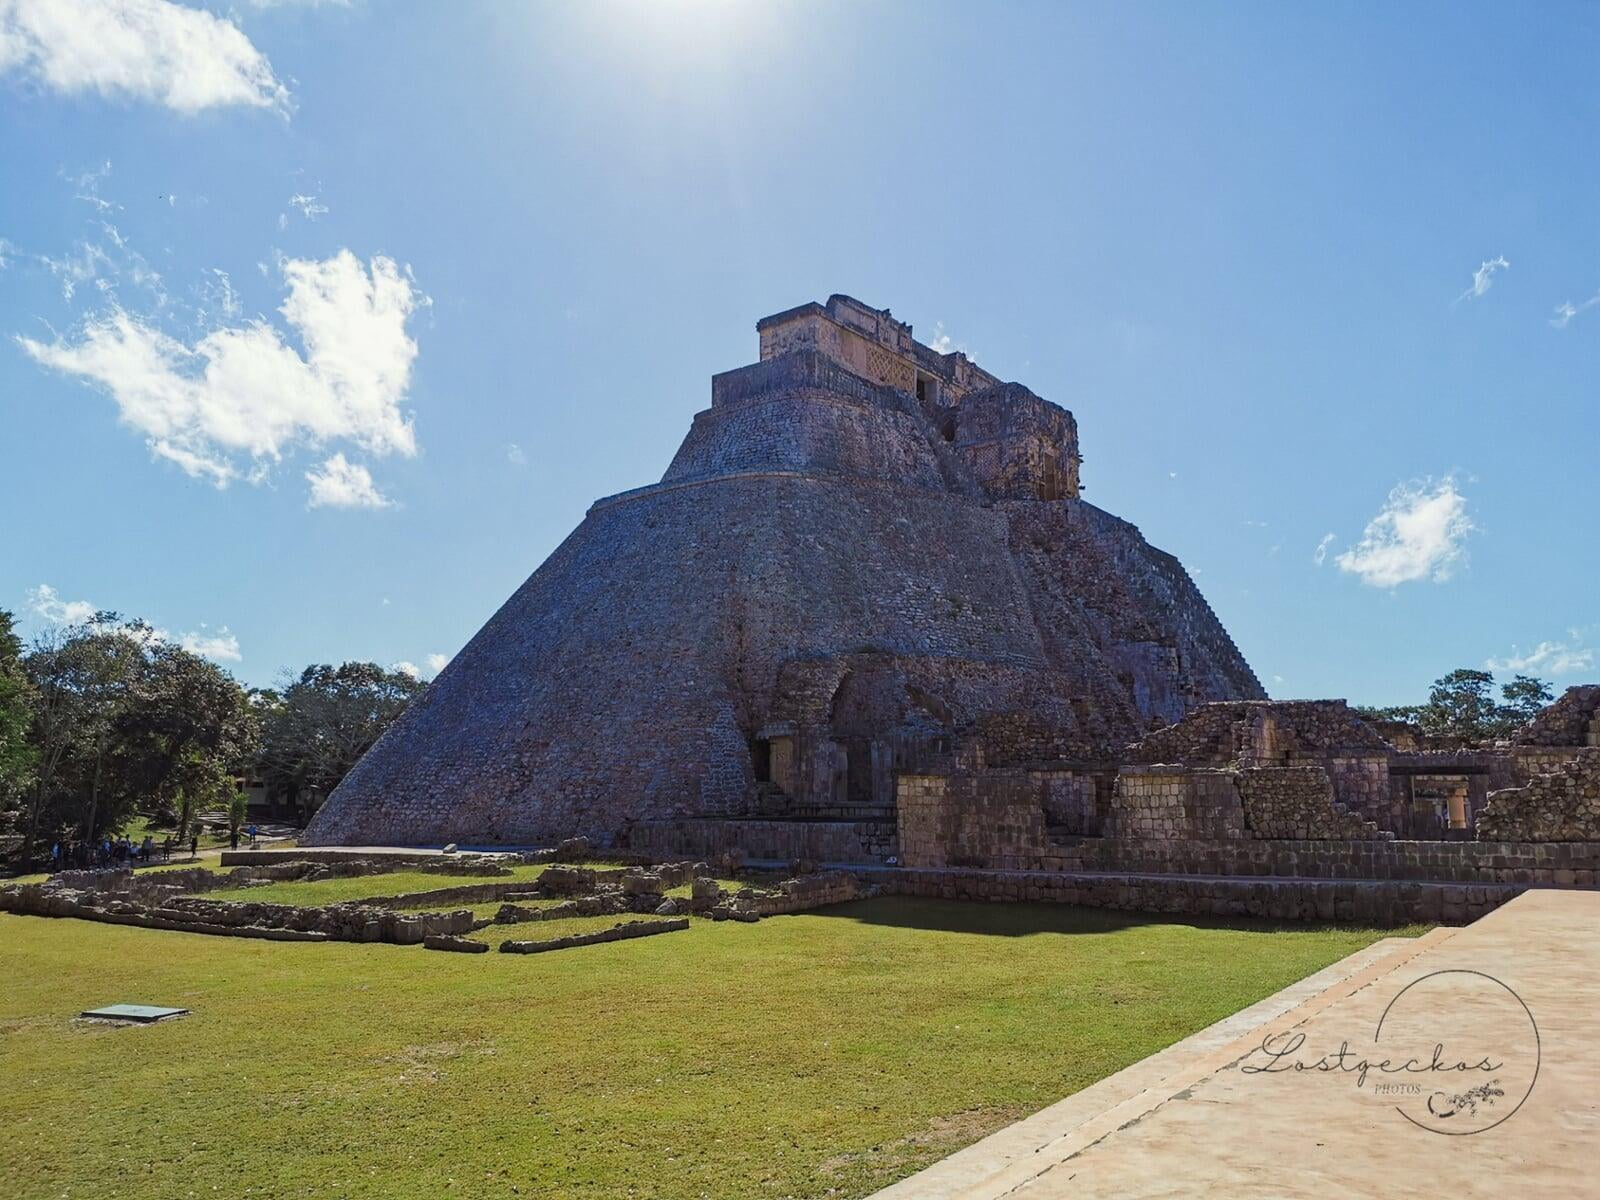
(1298, 803)
(1572, 721)
(1159, 802)
(967, 820)
(1562, 806)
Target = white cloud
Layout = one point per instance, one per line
(1322, 548)
(185, 58)
(1566, 310)
(435, 664)
(1548, 658)
(338, 483)
(308, 206)
(515, 455)
(242, 392)
(47, 603)
(1483, 278)
(943, 343)
(1418, 534)
(221, 646)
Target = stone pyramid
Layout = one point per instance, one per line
(866, 556)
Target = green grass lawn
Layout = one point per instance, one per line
(363, 887)
(817, 1055)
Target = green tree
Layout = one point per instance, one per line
(321, 723)
(123, 721)
(17, 754)
(238, 810)
(1461, 705)
(1524, 697)
(188, 732)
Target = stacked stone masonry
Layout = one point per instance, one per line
(1562, 806)
(1384, 904)
(1298, 803)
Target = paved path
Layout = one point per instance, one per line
(1203, 1118)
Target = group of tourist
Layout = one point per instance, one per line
(113, 852)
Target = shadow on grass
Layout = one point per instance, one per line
(1024, 918)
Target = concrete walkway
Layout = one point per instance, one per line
(1513, 1000)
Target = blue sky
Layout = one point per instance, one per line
(372, 300)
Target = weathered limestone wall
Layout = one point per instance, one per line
(777, 841)
(1563, 806)
(1017, 446)
(1297, 803)
(1175, 802)
(1573, 720)
(1559, 864)
(1383, 904)
(279, 922)
(988, 819)
(1260, 732)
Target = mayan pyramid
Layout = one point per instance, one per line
(865, 556)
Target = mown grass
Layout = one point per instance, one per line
(365, 887)
(813, 1055)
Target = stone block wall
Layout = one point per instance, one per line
(1562, 806)
(1361, 783)
(1175, 802)
(1573, 720)
(1297, 802)
(780, 841)
(989, 819)
(1557, 864)
(1384, 903)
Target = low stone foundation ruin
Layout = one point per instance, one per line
(617, 933)
(274, 922)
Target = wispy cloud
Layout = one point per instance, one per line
(1548, 658)
(433, 664)
(1483, 278)
(1419, 534)
(338, 483)
(943, 343)
(184, 58)
(241, 397)
(308, 206)
(1566, 310)
(220, 646)
(45, 602)
(1321, 554)
(515, 454)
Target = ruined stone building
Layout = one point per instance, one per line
(867, 559)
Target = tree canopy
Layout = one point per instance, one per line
(321, 723)
(123, 720)
(1461, 706)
